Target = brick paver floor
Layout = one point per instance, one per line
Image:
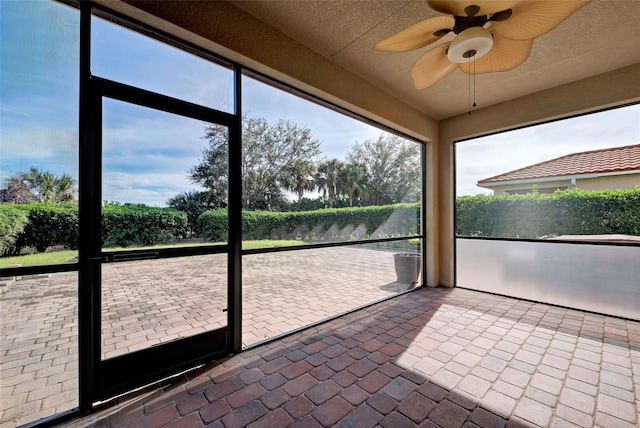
(433, 357)
(154, 301)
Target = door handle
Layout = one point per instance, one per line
(147, 255)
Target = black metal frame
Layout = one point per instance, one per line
(125, 372)
(102, 379)
(328, 245)
(234, 212)
(423, 212)
(88, 256)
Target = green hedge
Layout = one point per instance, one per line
(321, 225)
(569, 212)
(12, 222)
(41, 226)
(49, 225)
(140, 226)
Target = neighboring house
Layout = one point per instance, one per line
(604, 169)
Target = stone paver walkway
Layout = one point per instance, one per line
(154, 301)
(430, 358)
(38, 347)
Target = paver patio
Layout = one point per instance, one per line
(430, 358)
(433, 357)
(154, 301)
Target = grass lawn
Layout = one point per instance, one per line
(52, 258)
(57, 257)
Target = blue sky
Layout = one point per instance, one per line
(38, 89)
(147, 153)
(496, 154)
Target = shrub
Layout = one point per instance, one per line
(12, 222)
(51, 224)
(138, 225)
(47, 224)
(43, 225)
(354, 223)
(266, 225)
(212, 225)
(320, 225)
(569, 212)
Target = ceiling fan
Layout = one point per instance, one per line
(490, 35)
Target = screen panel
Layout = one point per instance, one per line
(283, 291)
(150, 302)
(39, 64)
(134, 59)
(39, 343)
(313, 174)
(151, 199)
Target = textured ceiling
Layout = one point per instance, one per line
(600, 37)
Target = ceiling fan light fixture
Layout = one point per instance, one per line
(474, 42)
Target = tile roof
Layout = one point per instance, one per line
(616, 159)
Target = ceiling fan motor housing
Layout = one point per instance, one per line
(473, 42)
(466, 21)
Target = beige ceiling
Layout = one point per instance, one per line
(600, 37)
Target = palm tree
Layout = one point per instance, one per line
(47, 186)
(328, 179)
(40, 186)
(193, 203)
(65, 190)
(299, 177)
(16, 191)
(354, 180)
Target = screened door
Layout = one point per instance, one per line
(163, 286)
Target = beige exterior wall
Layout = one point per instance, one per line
(501, 190)
(609, 182)
(223, 28)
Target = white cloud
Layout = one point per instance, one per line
(336, 131)
(48, 148)
(152, 189)
(485, 157)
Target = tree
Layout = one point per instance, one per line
(299, 177)
(36, 185)
(393, 169)
(211, 172)
(354, 182)
(62, 189)
(16, 191)
(270, 154)
(328, 179)
(193, 203)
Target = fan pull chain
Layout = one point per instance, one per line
(472, 71)
(474, 81)
(469, 101)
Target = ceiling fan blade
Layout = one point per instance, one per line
(443, 32)
(506, 54)
(532, 19)
(457, 7)
(501, 16)
(417, 35)
(431, 67)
